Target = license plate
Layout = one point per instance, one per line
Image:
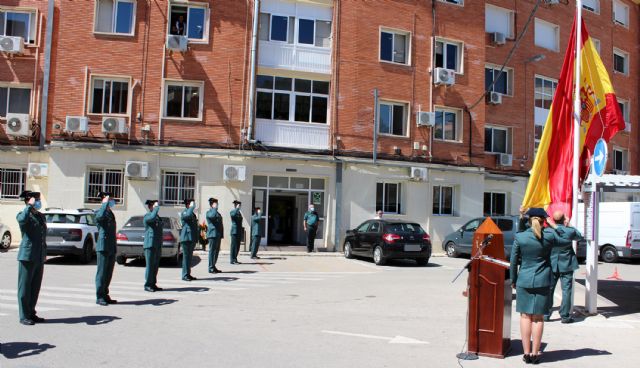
(412, 247)
(54, 239)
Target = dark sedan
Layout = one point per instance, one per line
(130, 240)
(383, 240)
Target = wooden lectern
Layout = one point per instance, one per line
(489, 327)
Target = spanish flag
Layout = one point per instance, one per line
(551, 183)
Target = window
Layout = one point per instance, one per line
(292, 99)
(109, 96)
(183, 100)
(177, 186)
(471, 226)
(497, 140)
(281, 28)
(547, 35)
(448, 55)
(14, 100)
(620, 160)
(620, 13)
(18, 24)
(12, 182)
(394, 46)
(591, 5)
(443, 200)
(624, 107)
(495, 204)
(388, 197)
(191, 20)
(499, 20)
(503, 82)
(392, 118)
(115, 16)
(596, 44)
(447, 125)
(104, 180)
(620, 61)
(544, 89)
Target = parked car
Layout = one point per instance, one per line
(5, 237)
(71, 232)
(130, 240)
(459, 242)
(383, 240)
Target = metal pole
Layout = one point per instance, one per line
(47, 73)
(375, 125)
(591, 280)
(252, 73)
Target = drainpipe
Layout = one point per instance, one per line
(375, 125)
(252, 75)
(47, 72)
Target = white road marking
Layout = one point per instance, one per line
(119, 285)
(116, 293)
(391, 340)
(15, 307)
(54, 301)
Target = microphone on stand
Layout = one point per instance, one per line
(483, 245)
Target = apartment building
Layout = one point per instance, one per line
(351, 105)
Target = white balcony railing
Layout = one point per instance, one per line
(294, 135)
(294, 57)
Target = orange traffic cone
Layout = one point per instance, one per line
(615, 276)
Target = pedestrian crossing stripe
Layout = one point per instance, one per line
(14, 306)
(177, 284)
(52, 301)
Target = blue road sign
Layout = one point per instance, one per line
(600, 157)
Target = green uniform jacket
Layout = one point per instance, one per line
(152, 230)
(563, 258)
(33, 226)
(106, 223)
(236, 221)
(215, 228)
(190, 230)
(311, 218)
(255, 226)
(532, 255)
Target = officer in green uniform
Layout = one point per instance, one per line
(311, 227)
(256, 233)
(236, 231)
(105, 248)
(152, 245)
(215, 233)
(563, 264)
(188, 237)
(31, 256)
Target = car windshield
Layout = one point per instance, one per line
(62, 218)
(505, 224)
(137, 222)
(405, 228)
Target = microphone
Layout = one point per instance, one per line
(486, 241)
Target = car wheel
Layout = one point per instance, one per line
(121, 260)
(87, 251)
(5, 242)
(450, 248)
(378, 256)
(422, 261)
(609, 254)
(347, 250)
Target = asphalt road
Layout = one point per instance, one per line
(289, 311)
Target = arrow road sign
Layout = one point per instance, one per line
(600, 157)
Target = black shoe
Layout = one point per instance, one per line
(526, 358)
(111, 301)
(102, 302)
(157, 288)
(535, 359)
(567, 320)
(186, 279)
(37, 319)
(149, 289)
(27, 322)
(215, 270)
(191, 277)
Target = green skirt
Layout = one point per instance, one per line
(532, 300)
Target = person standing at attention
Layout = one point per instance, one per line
(256, 233)
(236, 231)
(311, 227)
(106, 248)
(188, 237)
(215, 233)
(152, 246)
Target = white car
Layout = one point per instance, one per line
(71, 232)
(5, 237)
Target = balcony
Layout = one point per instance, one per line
(293, 135)
(279, 55)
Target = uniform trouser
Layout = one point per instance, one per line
(255, 243)
(214, 251)
(311, 237)
(235, 247)
(152, 259)
(105, 262)
(187, 254)
(566, 282)
(29, 281)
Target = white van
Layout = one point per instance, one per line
(618, 230)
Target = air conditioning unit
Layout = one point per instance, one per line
(111, 125)
(11, 45)
(444, 77)
(177, 43)
(424, 118)
(76, 124)
(494, 98)
(234, 173)
(418, 174)
(505, 159)
(38, 170)
(621, 172)
(136, 169)
(18, 125)
(498, 38)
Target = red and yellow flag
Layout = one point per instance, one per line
(551, 182)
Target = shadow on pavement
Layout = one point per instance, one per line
(14, 350)
(559, 355)
(68, 261)
(624, 294)
(155, 302)
(274, 258)
(89, 320)
(241, 272)
(220, 278)
(256, 263)
(194, 289)
(139, 262)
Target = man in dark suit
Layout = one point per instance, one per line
(105, 248)
(152, 245)
(236, 231)
(215, 232)
(256, 233)
(31, 257)
(188, 237)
